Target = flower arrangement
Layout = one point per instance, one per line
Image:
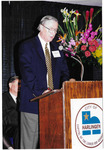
(85, 44)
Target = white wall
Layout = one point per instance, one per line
(82, 2)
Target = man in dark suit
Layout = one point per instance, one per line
(35, 76)
(11, 114)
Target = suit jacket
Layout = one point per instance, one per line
(33, 72)
(10, 119)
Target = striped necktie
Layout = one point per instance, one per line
(49, 67)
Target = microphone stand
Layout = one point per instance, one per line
(78, 60)
(82, 67)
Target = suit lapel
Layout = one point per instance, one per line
(39, 48)
(12, 102)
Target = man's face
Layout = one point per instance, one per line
(49, 30)
(14, 86)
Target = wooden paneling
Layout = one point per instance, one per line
(51, 121)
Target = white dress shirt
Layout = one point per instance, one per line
(14, 97)
(43, 43)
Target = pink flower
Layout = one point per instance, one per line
(90, 42)
(69, 48)
(83, 40)
(93, 33)
(77, 11)
(95, 43)
(66, 55)
(88, 31)
(90, 39)
(92, 48)
(87, 53)
(83, 47)
(72, 51)
(82, 36)
(90, 25)
(86, 34)
(63, 41)
(87, 15)
(91, 12)
(72, 42)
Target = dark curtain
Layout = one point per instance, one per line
(19, 22)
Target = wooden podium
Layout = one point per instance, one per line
(55, 112)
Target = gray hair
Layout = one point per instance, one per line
(45, 19)
(13, 78)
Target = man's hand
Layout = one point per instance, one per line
(46, 91)
(72, 80)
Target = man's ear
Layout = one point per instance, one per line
(10, 84)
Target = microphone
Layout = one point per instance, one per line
(61, 48)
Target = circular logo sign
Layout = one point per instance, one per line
(88, 125)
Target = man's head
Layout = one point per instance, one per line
(48, 28)
(14, 85)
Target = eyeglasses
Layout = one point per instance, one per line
(50, 30)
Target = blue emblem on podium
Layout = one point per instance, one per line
(90, 125)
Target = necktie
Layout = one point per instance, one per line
(49, 67)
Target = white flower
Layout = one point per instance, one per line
(72, 11)
(62, 10)
(65, 19)
(73, 21)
